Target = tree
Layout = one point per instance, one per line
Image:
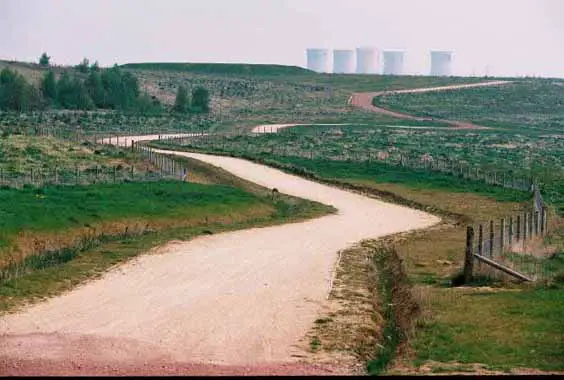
(72, 94)
(49, 86)
(200, 100)
(44, 60)
(181, 104)
(95, 66)
(16, 93)
(95, 88)
(83, 66)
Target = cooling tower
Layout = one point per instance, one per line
(393, 62)
(318, 60)
(343, 61)
(366, 61)
(441, 63)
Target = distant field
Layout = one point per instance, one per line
(527, 105)
(221, 68)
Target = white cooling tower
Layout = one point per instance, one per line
(343, 61)
(441, 63)
(393, 62)
(366, 61)
(318, 60)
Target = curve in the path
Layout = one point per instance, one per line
(238, 298)
(363, 100)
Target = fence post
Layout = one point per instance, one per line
(77, 174)
(469, 256)
(510, 236)
(518, 235)
(115, 170)
(536, 223)
(546, 213)
(481, 240)
(531, 224)
(132, 145)
(491, 238)
(501, 235)
(525, 226)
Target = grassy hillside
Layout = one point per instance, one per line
(526, 105)
(237, 69)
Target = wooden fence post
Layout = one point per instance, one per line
(542, 221)
(518, 234)
(491, 238)
(510, 236)
(481, 240)
(546, 213)
(531, 224)
(525, 226)
(536, 223)
(501, 235)
(469, 256)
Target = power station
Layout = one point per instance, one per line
(366, 61)
(393, 62)
(343, 62)
(318, 60)
(441, 63)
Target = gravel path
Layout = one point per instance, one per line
(236, 299)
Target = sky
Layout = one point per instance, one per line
(494, 37)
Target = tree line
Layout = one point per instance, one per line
(90, 87)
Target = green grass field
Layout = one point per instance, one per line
(504, 330)
(526, 105)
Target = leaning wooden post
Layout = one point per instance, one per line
(491, 238)
(501, 235)
(469, 256)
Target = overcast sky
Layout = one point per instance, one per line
(508, 37)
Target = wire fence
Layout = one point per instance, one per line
(227, 143)
(511, 247)
(157, 167)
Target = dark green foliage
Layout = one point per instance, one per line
(83, 66)
(49, 86)
(121, 89)
(16, 93)
(72, 94)
(200, 100)
(95, 66)
(148, 105)
(182, 103)
(44, 60)
(95, 88)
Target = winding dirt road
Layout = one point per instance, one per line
(243, 298)
(363, 100)
(234, 303)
